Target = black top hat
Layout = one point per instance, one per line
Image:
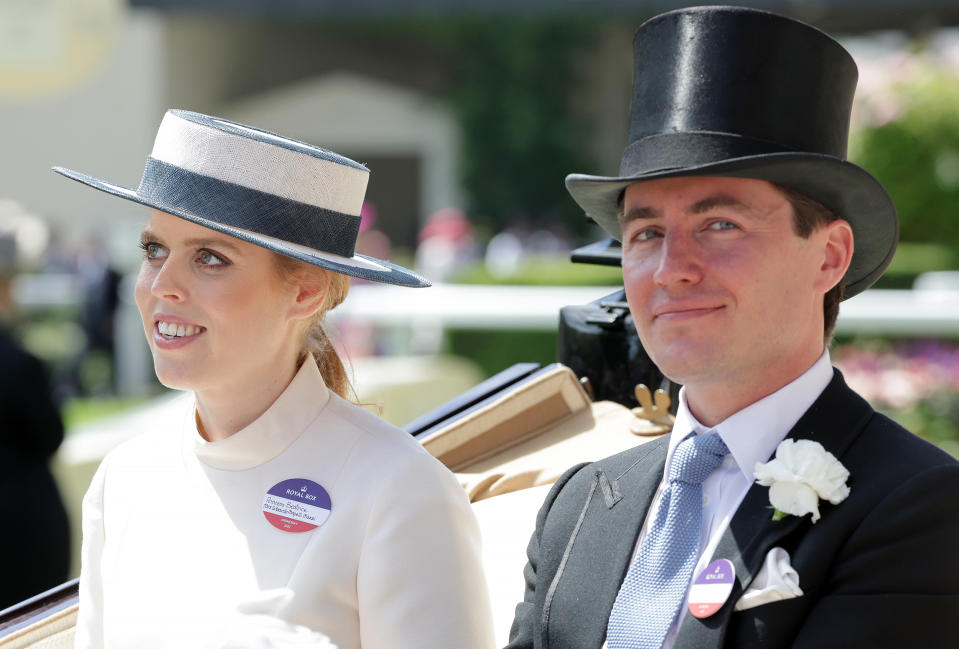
(730, 91)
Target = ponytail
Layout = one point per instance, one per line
(317, 341)
(319, 345)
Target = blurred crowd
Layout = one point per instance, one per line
(448, 244)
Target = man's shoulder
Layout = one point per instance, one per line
(579, 480)
(882, 457)
(625, 461)
(901, 452)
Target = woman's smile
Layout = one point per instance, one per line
(173, 330)
(170, 335)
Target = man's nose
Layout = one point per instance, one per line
(679, 261)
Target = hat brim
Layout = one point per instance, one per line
(360, 266)
(848, 190)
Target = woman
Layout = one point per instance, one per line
(269, 509)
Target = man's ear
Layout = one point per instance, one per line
(311, 291)
(837, 253)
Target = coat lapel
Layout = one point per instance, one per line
(834, 420)
(599, 551)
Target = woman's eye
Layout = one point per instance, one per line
(152, 250)
(207, 258)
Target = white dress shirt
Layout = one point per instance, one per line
(752, 435)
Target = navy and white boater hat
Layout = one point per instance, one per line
(287, 196)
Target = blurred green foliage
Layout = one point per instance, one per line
(515, 80)
(546, 271)
(914, 152)
(495, 350)
(77, 412)
(912, 259)
(511, 82)
(934, 419)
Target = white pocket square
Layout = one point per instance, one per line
(776, 580)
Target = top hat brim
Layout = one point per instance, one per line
(359, 266)
(848, 190)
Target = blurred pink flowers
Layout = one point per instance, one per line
(900, 376)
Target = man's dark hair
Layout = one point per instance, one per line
(808, 216)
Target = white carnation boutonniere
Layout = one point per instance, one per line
(801, 473)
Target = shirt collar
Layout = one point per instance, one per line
(753, 433)
(273, 431)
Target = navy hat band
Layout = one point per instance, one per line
(250, 209)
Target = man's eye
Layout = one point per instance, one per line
(646, 235)
(722, 225)
(207, 258)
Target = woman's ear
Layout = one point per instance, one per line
(837, 253)
(312, 287)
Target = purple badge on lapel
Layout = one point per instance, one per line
(712, 588)
(296, 505)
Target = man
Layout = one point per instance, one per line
(743, 226)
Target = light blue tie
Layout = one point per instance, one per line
(656, 583)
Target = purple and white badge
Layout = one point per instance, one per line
(712, 588)
(296, 505)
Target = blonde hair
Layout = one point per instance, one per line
(316, 341)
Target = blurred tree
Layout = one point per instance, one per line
(514, 82)
(910, 142)
(511, 80)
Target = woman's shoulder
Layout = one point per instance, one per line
(378, 444)
(370, 429)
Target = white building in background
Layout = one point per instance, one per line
(84, 85)
(79, 87)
